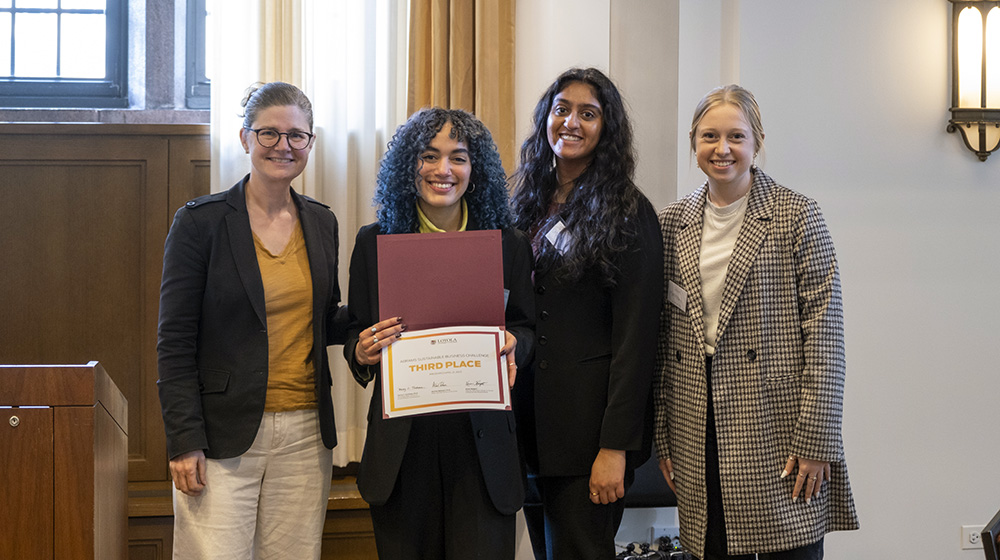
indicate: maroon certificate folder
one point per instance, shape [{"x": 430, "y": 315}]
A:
[{"x": 441, "y": 279}]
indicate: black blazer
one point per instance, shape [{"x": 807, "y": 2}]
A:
[
  {"x": 493, "y": 431},
  {"x": 212, "y": 336},
  {"x": 589, "y": 384}
]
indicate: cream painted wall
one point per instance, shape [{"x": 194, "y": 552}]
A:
[
  {"x": 855, "y": 99},
  {"x": 644, "y": 46},
  {"x": 551, "y": 36},
  {"x": 622, "y": 38}
]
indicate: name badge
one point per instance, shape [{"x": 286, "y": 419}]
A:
[
  {"x": 560, "y": 242},
  {"x": 677, "y": 296}
]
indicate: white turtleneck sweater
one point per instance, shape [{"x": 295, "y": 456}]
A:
[{"x": 718, "y": 238}]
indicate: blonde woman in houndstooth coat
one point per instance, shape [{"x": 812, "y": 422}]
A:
[{"x": 750, "y": 362}]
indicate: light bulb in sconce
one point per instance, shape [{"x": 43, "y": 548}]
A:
[
  {"x": 970, "y": 57},
  {"x": 975, "y": 108}
]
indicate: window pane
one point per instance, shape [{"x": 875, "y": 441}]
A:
[
  {"x": 81, "y": 4},
  {"x": 65, "y": 59},
  {"x": 82, "y": 46},
  {"x": 4, "y": 44},
  {"x": 35, "y": 36},
  {"x": 37, "y": 3}
]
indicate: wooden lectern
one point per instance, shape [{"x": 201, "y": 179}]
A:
[{"x": 64, "y": 463}]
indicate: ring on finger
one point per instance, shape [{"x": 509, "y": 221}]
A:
[
  {"x": 812, "y": 478},
  {"x": 374, "y": 340},
  {"x": 374, "y": 330}
]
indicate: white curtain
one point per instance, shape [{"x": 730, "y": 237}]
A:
[{"x": 349, "y": 57}]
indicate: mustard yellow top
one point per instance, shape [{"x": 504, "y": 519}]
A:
[
  {"x": 425, "y": 226},
  {"x": 288, "y": 300}
]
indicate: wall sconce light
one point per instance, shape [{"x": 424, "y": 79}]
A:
[{"x": 975, "y": 70}]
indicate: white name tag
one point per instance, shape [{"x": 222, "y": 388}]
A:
[
  {"x": 560, "y": 242},
  {"x": 677, "y": 296}
]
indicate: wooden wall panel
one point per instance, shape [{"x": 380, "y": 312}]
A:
[
  {"x": 348, "y": 535},
  {"x": 150, "y": 538},
  {"x": 190, "y": 171},
  {"x": 86, "y": 210}
]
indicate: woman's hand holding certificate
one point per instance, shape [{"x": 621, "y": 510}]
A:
[{"x": 371, "y": 341}]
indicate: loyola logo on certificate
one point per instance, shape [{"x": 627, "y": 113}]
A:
[{"x": 444, "y": 340}]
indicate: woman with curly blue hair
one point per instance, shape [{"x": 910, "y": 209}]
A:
[
  {"x": 446, "y": 485},
  {"x": 583, "y": 404}
]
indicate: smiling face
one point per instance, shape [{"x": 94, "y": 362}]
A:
[
  {"x": 279, "y": 163},
  {"x": 574, "y": 123},
  {"x": 725, "y": 148},
  {"x": 443, "y": 171}
]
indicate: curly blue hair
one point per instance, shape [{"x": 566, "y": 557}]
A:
[{"x": 396, "y": 189}]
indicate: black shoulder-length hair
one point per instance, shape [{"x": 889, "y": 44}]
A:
[
  {"x": 396, "y": 189},
  {"x": 600, "y": 212}
]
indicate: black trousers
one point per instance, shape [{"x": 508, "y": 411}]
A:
[
  {"x": 715, "y": 537},
  {"x": 440, "y": 508},
  {"x": 564, "y": 524}
]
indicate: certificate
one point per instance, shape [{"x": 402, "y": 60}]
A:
[{"x": 444, "y": 370}]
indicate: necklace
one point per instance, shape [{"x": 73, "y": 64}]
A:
[
  {"x": 560, "y": 183},
  {"x": 562, "y": 192}
]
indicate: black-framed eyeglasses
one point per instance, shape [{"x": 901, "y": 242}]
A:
[{"x": 269, "y": 138}]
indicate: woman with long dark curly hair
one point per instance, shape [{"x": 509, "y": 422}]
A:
[
  {"x": 446, "y": 485},
  {"x": 583, "y": 405}
]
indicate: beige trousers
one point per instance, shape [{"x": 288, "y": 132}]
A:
[{"x": 268, "y": 503}]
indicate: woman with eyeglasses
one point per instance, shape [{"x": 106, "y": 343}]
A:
[{"x": 248, "y": 304}]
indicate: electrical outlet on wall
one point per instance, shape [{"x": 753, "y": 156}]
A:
[
  {"x": 657, "y": 531},
  {"x": 971, "y": 537}
]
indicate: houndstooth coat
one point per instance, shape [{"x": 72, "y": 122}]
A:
[{"x": 777, "y": 372}]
